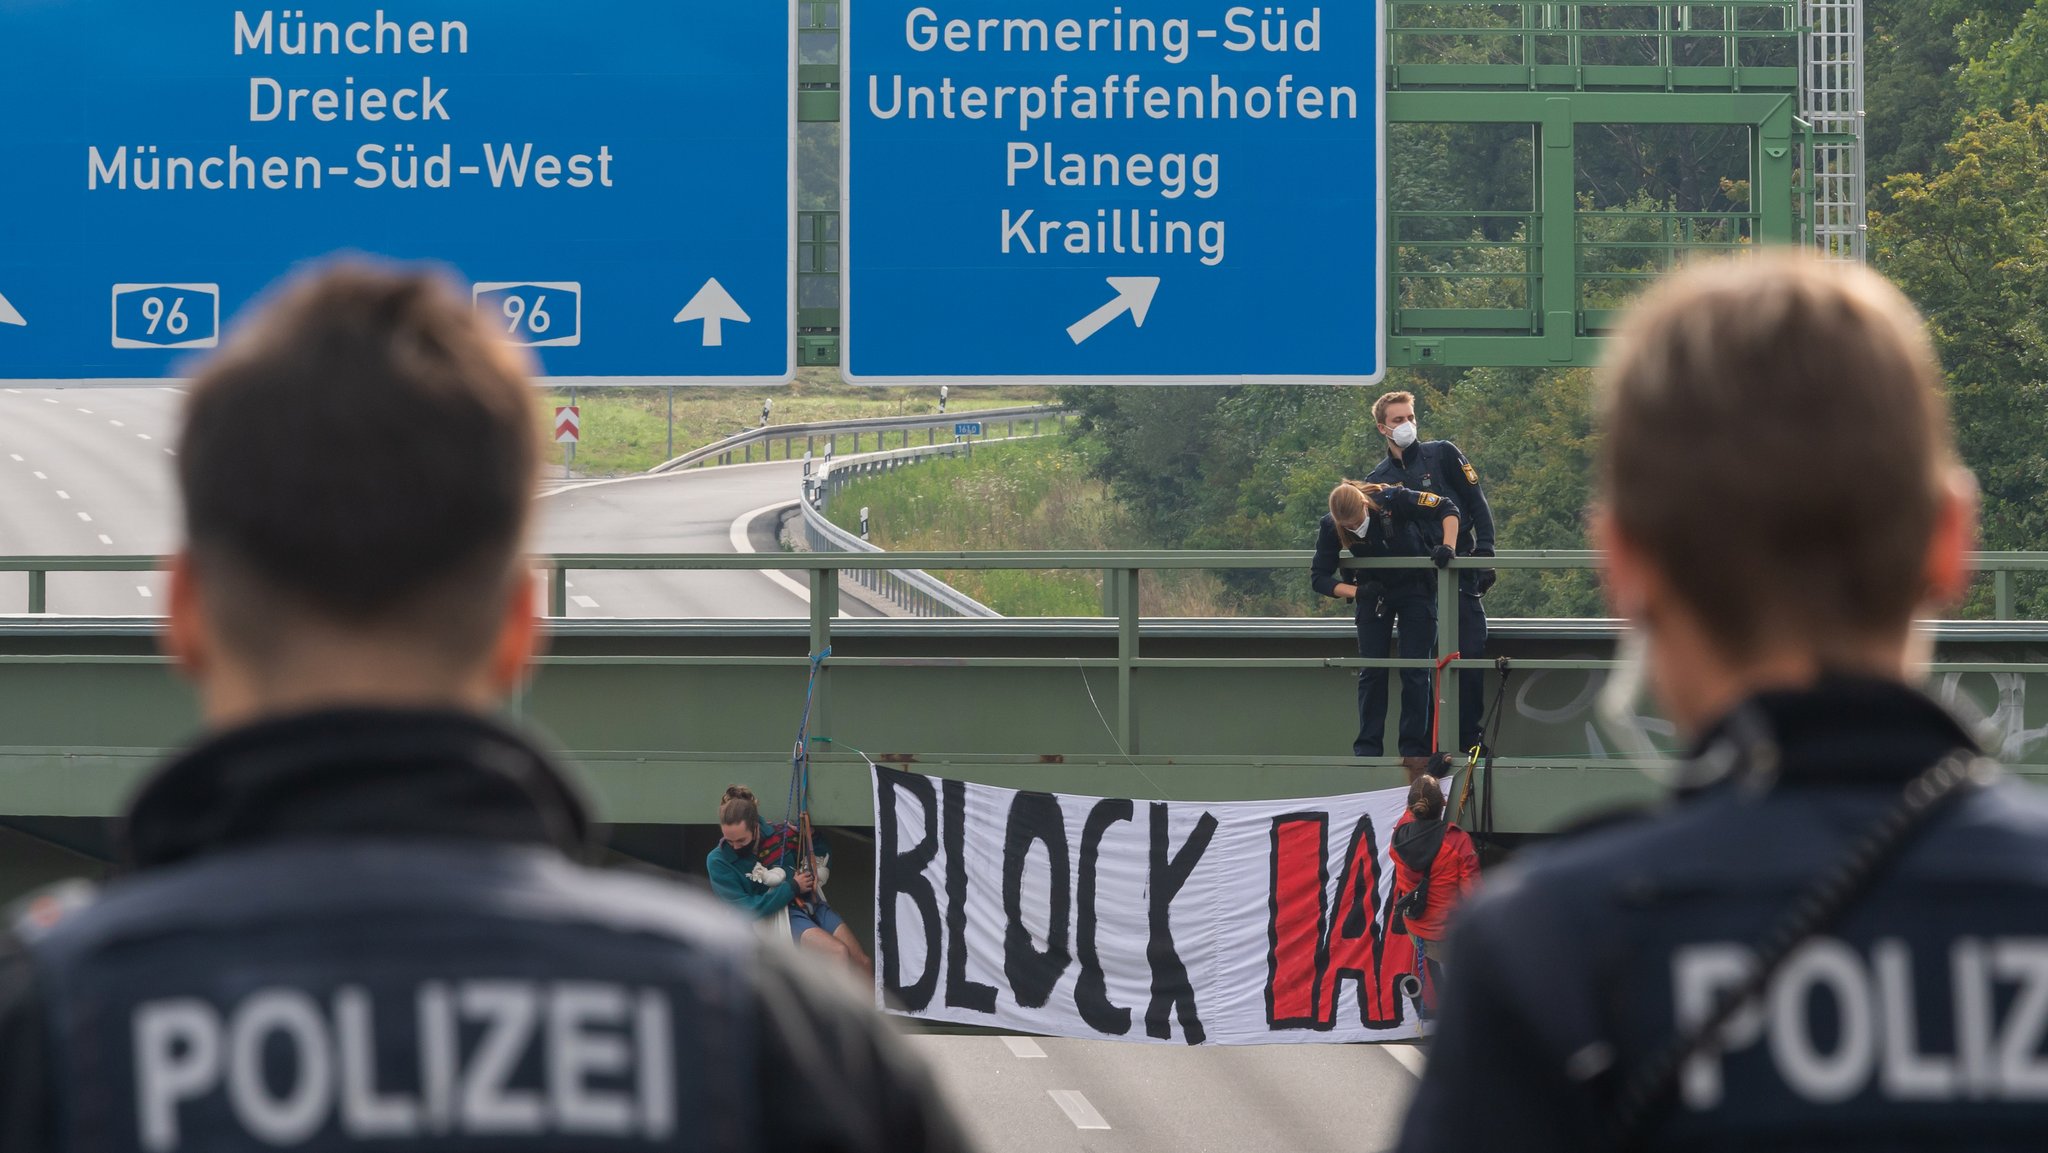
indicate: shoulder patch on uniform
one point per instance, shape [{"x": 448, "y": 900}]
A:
[
  {"x": 43, "y": 910},
  {"x": 1428, "y": 499},
  {"x": 1471, "y": 476}
]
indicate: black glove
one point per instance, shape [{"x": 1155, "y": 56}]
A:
[
  {"x": 1485, "y": 576},
  {"x": 1441, "y": 556}
]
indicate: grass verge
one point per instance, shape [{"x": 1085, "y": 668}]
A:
[{"x": 625, "y": 430}]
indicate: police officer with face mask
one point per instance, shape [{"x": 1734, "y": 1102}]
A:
[
  {"x": 352, "y": 916},
  {"x": 1436, "y": 466},
  {"x": 1834, "y": 935}
]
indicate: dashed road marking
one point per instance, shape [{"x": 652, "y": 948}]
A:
[
  {"x": 170, "y": 452},
  {"x": 144, "y": 436},
  {"x": 16, "y": 456},
  {"x": 117, "y": 424},
  {"x": 584, "y": 601},
  {"x": 1409, "y": 1056},
  {"x": 15, "y": 391},
  {"x": 86, "y": 517},
  {"x": 1023, "y": 1047},
  {"x": 40, "y": 476},
  {"x": 62, "y": 495},
  {"x": 49, "y": 400},
  {"x": 86, "y": 411},
  {"x": 144, "y": 590},
  {"x": 1077, "y": 1109},
  {"x": 105, "y": 539}
]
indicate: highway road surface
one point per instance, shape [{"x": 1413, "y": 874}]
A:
[
  {"x": 90, "y": 472},
  {"x": 1043, "y": 1094}
]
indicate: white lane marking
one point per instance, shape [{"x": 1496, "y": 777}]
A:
[
  {"x": 568, "y": 584},
  {"x": 170, "y": 452},
  {"x": 1409, "y": 1056},
  {"x": 86, "y": 517},
  {"x": 49, "y": 400},
  {"x": 62, "y": 495},
  {"x": 168, "y": 388},
  {"x": 15, "y": 391},
  {"x": 15, "y": 455},
  {"x": 144, "y": 590},
  {"x": 86, "y": 411},
  {"x": 117, "y": 424},
  {"x": 1023, "y": 1047},
  {"x": 40, "y": 476},
  {"x": 145, "y": 436},
  {"x": 1077, "y": 1109},
  {"x": 105, "y": 539},
  {"x": 641, "y": 477},
  {"x": 738, "y": 536},
  {"x": 584, "y": 601}
]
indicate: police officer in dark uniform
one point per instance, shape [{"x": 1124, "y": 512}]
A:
[
  {"x": 1374, "y": 520},
  {"x": 1835, "y": 935},
  {"x": 352, "y": 917},
  {"x": 1436, "y": 466}
]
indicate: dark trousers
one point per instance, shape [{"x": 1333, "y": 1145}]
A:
[
  {"x": 1415, "y": 611},
  {"x": 1471, "y": 682}
]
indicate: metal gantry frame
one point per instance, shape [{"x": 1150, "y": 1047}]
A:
[
  {"x": 1831, "y": 101},
  {"x": 1788, "y": 70}
]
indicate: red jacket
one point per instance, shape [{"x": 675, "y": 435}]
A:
[{"x": 1453, "y": 873}]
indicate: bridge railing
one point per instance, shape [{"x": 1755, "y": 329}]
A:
[
  {"x": 914, "y": 590},
  {"x": 1120, "y": 571},
  {"x": 739, "y": 447}
]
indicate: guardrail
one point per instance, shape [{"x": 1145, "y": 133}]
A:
[
  {"x": 915, "y": 590},
  {"x": 1120, "y": 571},
  {"x": 742, "y": 443}
]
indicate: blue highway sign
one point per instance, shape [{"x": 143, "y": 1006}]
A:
[
  {"x": 967, "y": 428},
  {"x": 1158, "y": 190},
  {"x": 614, "y": 180}
]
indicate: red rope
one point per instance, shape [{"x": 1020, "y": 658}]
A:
[{"x": 1436, "y": 719}]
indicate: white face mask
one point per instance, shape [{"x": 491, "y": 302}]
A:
[{"x": 1403, "y": 435}]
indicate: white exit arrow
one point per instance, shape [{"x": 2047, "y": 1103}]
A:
[
  {"x": 1133, "y": 295},
  {"x": 8, "y": 315},
  {"x": 714, "y": 306}
]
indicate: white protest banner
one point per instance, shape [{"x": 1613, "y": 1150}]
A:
[{"x": 1182, "y": 922}]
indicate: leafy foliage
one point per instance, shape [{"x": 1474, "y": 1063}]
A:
[{"x": 1970, "y": 245}]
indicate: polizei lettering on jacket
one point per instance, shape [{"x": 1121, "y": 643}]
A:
[
  {"x": 1979, "y": 1038},
  {"x": 491, "y": 1058}
]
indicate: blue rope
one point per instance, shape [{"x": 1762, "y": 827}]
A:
[{"x": 799, "y": 798}]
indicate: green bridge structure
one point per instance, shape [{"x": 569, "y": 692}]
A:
[{"x": 659, "y": 716}]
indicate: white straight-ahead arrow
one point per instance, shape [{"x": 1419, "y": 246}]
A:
[
  {"x": 1133, "y": 295},
  {"x": 713, "y": 305},
  {"x": 8, "y": 315}
]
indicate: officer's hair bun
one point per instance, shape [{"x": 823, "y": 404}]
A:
[{"x": 739, "y": 793}]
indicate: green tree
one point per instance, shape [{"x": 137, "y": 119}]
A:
[
  {"x": 1970, "y": 246},
  {"x": 2004, "y": 52}
]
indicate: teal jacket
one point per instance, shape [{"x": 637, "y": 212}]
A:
[{"x": 731, "y": 872}]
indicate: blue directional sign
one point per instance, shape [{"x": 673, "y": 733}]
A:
[
  {"x": 967, "y": 428},
  {"x": 1148, "y": 191},
  {"x": 613, "y": 180}
]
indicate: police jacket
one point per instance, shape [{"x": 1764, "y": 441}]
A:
[
  {"x": 364, "y": 930},
  {"x": 1410, "y": 526},
  {"x": 1436, "y": 466},
  {"x": 1919, "y": 1021}
]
